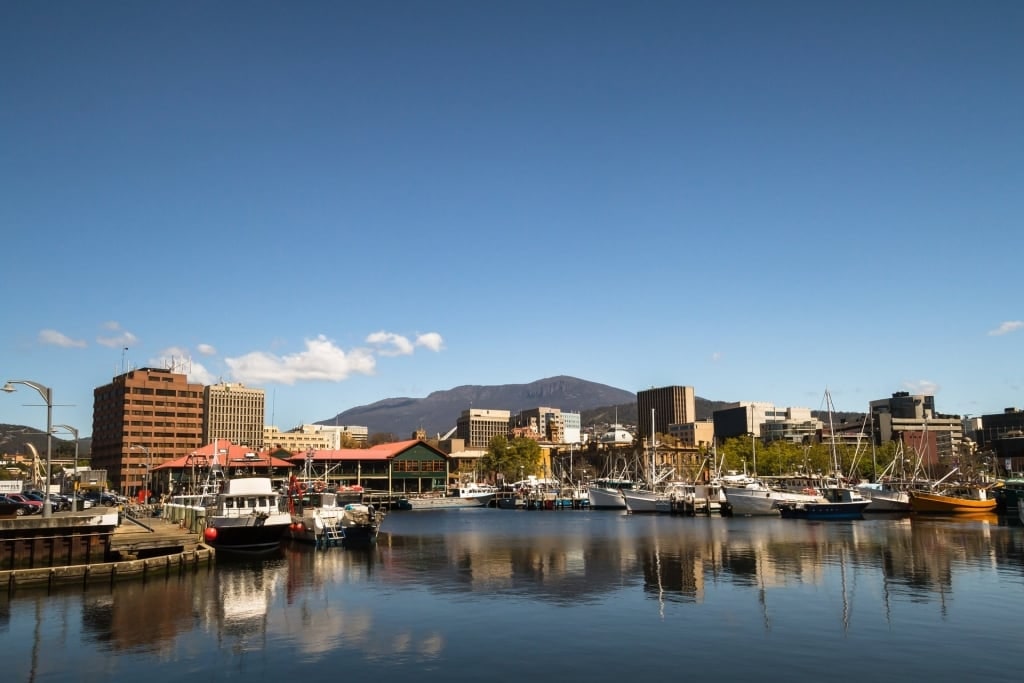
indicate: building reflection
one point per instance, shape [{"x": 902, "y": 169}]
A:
[{"x": 315, "y": 602}]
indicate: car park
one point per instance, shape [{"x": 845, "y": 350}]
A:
[
  {"x": 9, "y": 506},
  {"x": 55, "y": 506},
  {"x": 37, "y": 505}
]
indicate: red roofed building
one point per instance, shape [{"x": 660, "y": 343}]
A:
[
  {"x": 412, "y": 466},
  {"x": 189, "y": 472}
]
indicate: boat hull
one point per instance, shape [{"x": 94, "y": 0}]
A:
[
  {"x": 447, "y": 502},
  {"x": 936, "y": 503},
  {"x": 851, "y": 510},
  {"x": 605, "y": 498},
  {"x": 637, "y": 500},
  {"x": 885, "y": 500},
  {"x": 230, "y": 536},
  {"x": 762, "y": 502}
]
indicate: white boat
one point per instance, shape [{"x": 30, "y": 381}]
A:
[
  {"x": 839, "y": 502},
  {"x": 640, "y": 500},
  {"x": 645, "y": 499},
  {"x": 324, "y": 517},
  {"x": 247, "y": 516},
  {"x": 606, "y": 493},
  {"x": 485, "y": 493},
  {"x": 757, "y": 498},
  {"x": 884, "y": 497}
]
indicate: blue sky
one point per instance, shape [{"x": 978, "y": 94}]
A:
[{"x": 343, "y": 202}]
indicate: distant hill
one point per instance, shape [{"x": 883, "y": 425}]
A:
[
  {"x": 13, "y": 439},
  {"x": 598, "y": 404},
  {"x": 437, "y": 413}
]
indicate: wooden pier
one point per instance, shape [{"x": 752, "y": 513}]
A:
[{"x": 79, "y": 549}]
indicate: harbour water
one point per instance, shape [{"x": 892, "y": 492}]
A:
[{"x": 475, "y": 594}]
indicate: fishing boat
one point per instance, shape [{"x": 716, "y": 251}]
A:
[
  {"x": 959, "y": 499},
  {"x": 605, "y": 493},
  {"x": 324, "y": 517},
  {"x": 646, "y": 499},
  {"x": 758, "y": 498},
  {"x": 838, "y": 502},
  {"x": 247, "y": 516},
  {"x": 953, "y": 498},
  {"x": 885, "y": 496},
  {"x": 468, "y": 496}
]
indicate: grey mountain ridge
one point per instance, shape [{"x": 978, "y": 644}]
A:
[{"x": 437, "y": 413}]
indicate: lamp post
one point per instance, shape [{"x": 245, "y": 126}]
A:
[
  {"x": 149, "y": 466},
  {"x": 47, "y": 394},
  {"x": 74, "y": 488}
]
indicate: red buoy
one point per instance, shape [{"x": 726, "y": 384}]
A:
[{"x": 210, "y": 534}]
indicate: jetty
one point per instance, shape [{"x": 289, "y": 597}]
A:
[{"x": 85, "y": 548}]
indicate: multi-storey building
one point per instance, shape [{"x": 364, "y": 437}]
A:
[
  {"x": 912, "y": 420},
  {"x": 477, "y": 426},
  {"x": 671, "y": 405},
  {"x": 1003, "y": 434},
  {"x": 751, "y": 417},
  {"x": 299, "y": 440},
  {"x": 572, "y": 427},
  {"x": 234, "y": 412},
  {"x": 316, "y": 436},
  {"x": 546, "y": 421},
  {"x": 139, "y": 420},
  {"x": 700, "y": 434}
]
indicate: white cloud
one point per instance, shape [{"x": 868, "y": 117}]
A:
[
  {"x": 1006, "y": 328},
  {"x": 321, "y": 360},
  {"x": 206, "y": 350},
  {"x": 179, "y": 360},
  {"x": 431, "y": 341},
  {"x": 55, "y": 338},
  {"x": 399, "y": 345},
  {"x": 716, "y": 356},
  {"x": 123, "y": 338},
  {"x": 922, "y": 386}
]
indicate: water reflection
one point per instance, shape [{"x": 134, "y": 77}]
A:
[
  {"x": 399, "y": 602},
  {"x": 676, "y": 557}
]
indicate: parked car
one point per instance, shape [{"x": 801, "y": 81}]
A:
[
  {"x": 36, "y": 495},
  {"x": 9, "y": 506},
  {"x": 37, "y": 505},
  {"x": 83, "y": 502}
]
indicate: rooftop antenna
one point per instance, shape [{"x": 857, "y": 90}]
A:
[{"x": 124, "y": 367}]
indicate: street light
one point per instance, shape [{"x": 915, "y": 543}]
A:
[
  {"x": 47, "y": 394},
  {"x": 149, "y": 465},
  {"x": 74, "y": 488}
]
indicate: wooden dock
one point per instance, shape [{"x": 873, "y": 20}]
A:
[
  {"x": 144, "y": 537},
  {"x": 134, "y": 549}
]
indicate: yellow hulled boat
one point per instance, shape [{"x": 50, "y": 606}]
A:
[{"x": 959, "y": 500}]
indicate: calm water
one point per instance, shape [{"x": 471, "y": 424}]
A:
[{"x": 466, "y": 595}]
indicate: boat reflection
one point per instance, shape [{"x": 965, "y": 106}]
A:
[{"x": 316, "y": 602}]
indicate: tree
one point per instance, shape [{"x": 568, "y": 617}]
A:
[{"x": 505, "y": 459}]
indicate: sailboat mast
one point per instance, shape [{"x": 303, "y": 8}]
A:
[
  {"x": 832, "y": 434},
  {"x": 651, "y": 475},
  {"x": 753, "y": 440}
]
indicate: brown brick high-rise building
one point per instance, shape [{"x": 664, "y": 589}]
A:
[{"x": 141, "y": 419}]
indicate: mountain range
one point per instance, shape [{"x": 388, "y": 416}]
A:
[{"x": 436, "y": 414}]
